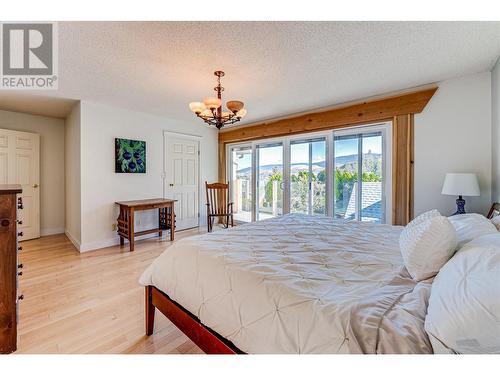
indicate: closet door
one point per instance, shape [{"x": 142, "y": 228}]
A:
[
  {"x": 20, "y": 164},
  {"x": 181, "y": 178}
]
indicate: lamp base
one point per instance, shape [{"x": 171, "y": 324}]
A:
[{"x": 460, "y": 206}]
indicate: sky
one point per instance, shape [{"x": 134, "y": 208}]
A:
[{"x": 299, "y": 153}]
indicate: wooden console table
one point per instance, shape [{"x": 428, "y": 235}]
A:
[{"x": 166, "y": 220}]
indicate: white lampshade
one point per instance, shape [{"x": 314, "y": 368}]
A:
[
  {"x": 461, "y": 184},
  {"x": 234, "y": 105},
  {"x": 206, "y": 113},
  {"x": 212, "y": 103},
  {"x": 197, "y": 107},
  {"x": 241, "y": 113}
]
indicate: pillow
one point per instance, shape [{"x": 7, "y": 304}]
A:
[
  {"x": 427, "y": 246},
  {"x": 471, "y": 226},
  {"x": 422, "y": 217},
  {"x": 464, "y": 306},
  {"x": 496, "y": 222}
]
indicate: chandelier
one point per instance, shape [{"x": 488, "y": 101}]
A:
[{"x": 210, "y": 110}]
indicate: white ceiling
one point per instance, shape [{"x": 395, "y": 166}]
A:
[
  {"x": 276, "y": 68},
  {"x": 35, "y": 104}
]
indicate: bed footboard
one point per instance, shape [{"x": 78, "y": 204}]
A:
[{"x": 206, "y": 339}]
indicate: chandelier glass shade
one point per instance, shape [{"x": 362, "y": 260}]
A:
[{"x": 212, "y": 112}]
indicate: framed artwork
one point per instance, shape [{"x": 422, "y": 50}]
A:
[{"x": 130, "y": 156}]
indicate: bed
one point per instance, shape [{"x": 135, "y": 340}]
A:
[{"x": 293, "y": 284}]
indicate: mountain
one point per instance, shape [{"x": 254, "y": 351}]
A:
[{"x": 347, "y": 162}]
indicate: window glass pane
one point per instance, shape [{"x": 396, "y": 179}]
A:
[
  {"x": 346, "y": 177},
  {"x": 318, "y": 186},
  {"x": 308, "y": 176},
  {"x": 270, "y": 181},
  {"x": 299, "y": 178},
  {"x": 371, "y": 194},
  {"x": 241, "y": 185}
]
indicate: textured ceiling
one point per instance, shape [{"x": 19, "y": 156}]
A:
[
  {"x": 35, "y": 104},
  {"x": 276, "y": 68}
]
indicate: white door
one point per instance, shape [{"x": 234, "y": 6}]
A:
[
  {"x": 20, "y": 164},
  {"x": 181, "y": 178}
]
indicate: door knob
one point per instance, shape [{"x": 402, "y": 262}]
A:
[
  {"x": 35, "y": 185},
  {"x": 171, "y": 184}
]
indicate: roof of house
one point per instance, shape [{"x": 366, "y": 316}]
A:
[{"x": 371, "y": 205}]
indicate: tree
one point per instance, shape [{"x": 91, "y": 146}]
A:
[
  {"x": 322, "y": 176},
  {"x": 302, "y": 176},
  {"x": 371, "y": 177},
  {"x": 299, "y": 192},
  {"x": 344, "y": 183}
]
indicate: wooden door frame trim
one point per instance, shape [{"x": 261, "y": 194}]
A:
[
  {"x": 398, "y": 109},
  {"x": 402, "y": 169}
]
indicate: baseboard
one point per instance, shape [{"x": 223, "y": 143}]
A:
[
  {"x": 51, "y": 231},
  {"x": 73, "y": 240},
  {"x": 96, "y": 245},
  {"x": 101, "y": 244}
]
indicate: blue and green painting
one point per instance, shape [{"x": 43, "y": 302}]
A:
[{"x": 130, "y": 156}]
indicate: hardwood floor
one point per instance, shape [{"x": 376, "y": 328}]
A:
[{"x": 91, "y": 302}]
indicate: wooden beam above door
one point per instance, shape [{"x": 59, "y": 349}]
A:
[{"x": 354, "y": 114}]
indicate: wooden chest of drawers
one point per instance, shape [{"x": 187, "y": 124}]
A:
[{"x": 9, "y": 267}]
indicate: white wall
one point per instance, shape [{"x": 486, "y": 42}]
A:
[
  {"x": 453, "y": 134},
  {"x": 101, "y": 186},
  {"x": 495, "y": 132},
  {"x": 51, "y": 132},
  {"x": 72, "y": 176}
]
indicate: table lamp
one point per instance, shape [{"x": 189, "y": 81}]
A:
[{"x": 461, "y": 184}]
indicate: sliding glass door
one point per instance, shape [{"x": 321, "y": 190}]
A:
[
  {"x": 269, "y": 180},
  {"x": 345, "y": 174},
  {"x": 359, "y": 175},
  {"x": 308, "y": 176},
  {"x": 372, "y": 178},
  {"x": 346, "y": 166},
  {"x": 240, "y": 181}
]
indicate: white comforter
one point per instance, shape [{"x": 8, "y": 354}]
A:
[{"x": 284, "y": 285}]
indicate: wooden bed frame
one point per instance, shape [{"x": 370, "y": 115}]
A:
[{"x": 205, "y": 338}]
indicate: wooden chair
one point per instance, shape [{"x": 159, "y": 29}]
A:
[
  {"x": 494, "y": 211},
  {"x": 218, "y": 204}
]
